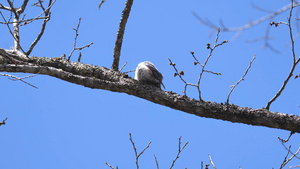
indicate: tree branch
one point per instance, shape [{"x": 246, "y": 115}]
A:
[
  {"x": 232, "y": 87},
  {"x": 47, "y": 18},
  {"x": 295, "y": 62},
  {"x": 119, "y": 40},
  {"x": 249, "y": 24},
  {"x": 3, "y": 122},
  {"x": 103, "y": 78}
]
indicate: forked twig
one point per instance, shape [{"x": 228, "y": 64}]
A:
[
  {"x": 180, "y": 74},
  {"x": 16, "y": 40},
  {"x": 21, "y": 79},
  {"x": 208, "y": 57},
  {"x": 179, "y": 151},
  {"x": 135, "y": 151},
  {"x": 249, "y": 24},
  {"x": 285, "y": 161},
  {"x": 295, "y": 62},
  {"x": 75, "y": 42},
  {"x": 232, "y": 87},
  {"x": 47, "y": 18},
  {"x": 286, "y": 140}
]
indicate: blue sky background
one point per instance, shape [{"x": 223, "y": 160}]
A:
[{"x": 63, "y": 125}]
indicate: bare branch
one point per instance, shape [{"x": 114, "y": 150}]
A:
[
  {"x": 180, "y": 74},
  {"x": 110, "y": 166},
  {"x": 99, "y": 6},
  {"x": 47, "y": 10},
  {"x": 285, "y": 161},
  {"x": 119, "y": 40},
  {"x": 123, "y": 67},
  {"x": 3, "y": 122},
  {"x": 12, "y": 8},
  {"x": 24, "y": 21},
  {"x": 232, "y": 87},
  {"x": 286, "y": 140},
  {"x": 16, "y": 38},
  {"x": 22, "y": 9},
  {"x": 206, "y": 61},
  {"x": 211, "y": 161},
  {"x": 47, "y": 15},
  {"x": 103, "y": 78},
  {"x": 4, "y": 7},
  {"x": 260, "y": 8},
  {"x": 249, "y": 24},
  {"x": 156, "y": 162},
  {"x": 179, "y": 151},
  {"x": 75, "y": 40},
  {"x": 135, "y": 151},
  {"x": 295, "y": 62},
  {"x": 21, "y": 79}
]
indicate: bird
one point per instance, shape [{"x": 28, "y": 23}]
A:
[{"x": 147, "y": 73}]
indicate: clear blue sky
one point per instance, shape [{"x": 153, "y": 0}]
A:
[{"x": 67, "y": 126}]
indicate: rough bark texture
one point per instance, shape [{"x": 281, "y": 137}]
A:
[{"x": 103, "y": 78}]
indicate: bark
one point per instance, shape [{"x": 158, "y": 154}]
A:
[{"x": 104, "y": 78}]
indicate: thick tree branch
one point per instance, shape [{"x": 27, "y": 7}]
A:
[
  {"x": 119, "y": 40},
  {"x": 103, "y": 78}
]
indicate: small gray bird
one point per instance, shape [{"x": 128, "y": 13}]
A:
[{"x": 147, "y": 73}]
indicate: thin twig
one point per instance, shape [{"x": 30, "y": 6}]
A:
[
  {"x": 110, "y": 166},
  {"x": 157, "y": 166},
  {"x": 21, "y": 79},
  {"x": 232, "y": 87},
  {"x": 47, "y": 14},
  {"x": 211, "y": 161},
  {"x": 287, "y": 161},
  {"x": 286, "y": 140},
  {"x": 294, "y": 59},
  {"x": 99, "y": 6},
  {"x": 79, "y": 57},
  {"x": 249, "y": 24},
  {"x": 15, "y": 38},
  {"x": 208, "y": 57},
  {"x": 297, "y": 166},
  {"x": 179, "y": 151},
  {"x": 3, "y": 122},
  {"x": 289, "y": 150},
  {"x": 129, "y": 71},
  {"x": 76, "y": 35},
  {"x": 123, "y": 67},
  {"x": 119, "y": 40},
  {"x": 12, "y": 8},
  {"x": 47, "y": 10},
  {"x": 24, "y": 21},
  {"x": 180, "y": 74},
  {"x": 135, "y": 151},
  {"x": 75, "y": 40}
]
